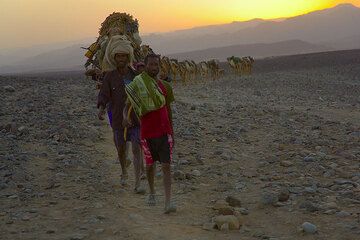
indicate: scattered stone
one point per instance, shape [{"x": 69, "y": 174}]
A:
[
  {"x": 9, "y": 88},
  {"x": 286, "y": 163},
  {"x": 309, "y": 159},
  {"x": 309, "y": 228},
  {"x": 25, "y": 218},
  {"x": 136, "y": 217},
  {"x": 344, "y": 182},
  {"x": 355, "y": 134},
  {"x": 284, "y": 195},
  {"x": 78, "y": 237},
  {"x": 184, "y": 162},
  {"x": 196, "y": 173},
  {"x": 100, "y": 230},
  {"x": 330, "y": 205},
  {"x": 13, "y": 196},
  {"x": 243, "y": 211},
  {"x": 233, "y": 201},
  {"x": 209, "y": 226},
  {"x": 257, "y": 93},
  {"x": 179, "y": 175},
  {"x": 343, "y": 214},
  {"x": 23, "y": 130},
  {"x": 220, "y": 204},
  {"x": 231, "y": 220},
  {"x": 310, "y": 190},
  {"x": 226, "y": 156},
  {"x": 269, "y": 198},
  {"x": 330, "y": 212},
  {"x": 100, "y": 217},
  {"x": 244, "y": 230},
  {"x": 309, "y": 206}
]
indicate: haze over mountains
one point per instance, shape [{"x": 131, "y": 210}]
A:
[
  {"x": 326, "y": 26},
  {"x": 330, "y": 29}
]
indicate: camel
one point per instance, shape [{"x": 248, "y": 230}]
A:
[
  {"x": 190, "y": 69},
  {"x": 182, "y": 69},
  {"x": 174, "y": 68},
  {"x": 214, "y": 68},
  {"x": 250, "y": 63},
  {"x": 203, "y": 69},
  {"x": 241, "y": 66},
  {"x": 235, "y": 64},
  {"x": 165, "y": 67}
]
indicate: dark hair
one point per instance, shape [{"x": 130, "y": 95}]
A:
[{"x": 151, "y": 55}]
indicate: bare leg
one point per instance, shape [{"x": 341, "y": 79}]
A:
[
  {"x": 137, "y": 163},
  {"x": 142, "y": 165},
  {"x": 169, "y": 206},
  {"x": 127, "y": 154},
  {"x": 122, "y": 158},
  {"x": 167, "y": 181},
  {"x": 121, "y": 151},
  {"x": 150, "y": 172}
]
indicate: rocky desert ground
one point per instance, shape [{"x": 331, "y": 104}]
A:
[{"x": 275, "y": 155}]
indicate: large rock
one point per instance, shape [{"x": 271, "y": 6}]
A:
[
  {"x": 309, "y": 228},
  {"x": 231, "y": 220},
  {"x": 226, "y": 211}
]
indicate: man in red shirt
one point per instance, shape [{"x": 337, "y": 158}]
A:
[{"x": 156, "y": 133}]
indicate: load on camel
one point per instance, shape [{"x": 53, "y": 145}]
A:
[
  {"x": 116, "y": 25},
  {"x": 241, "y": 66}
]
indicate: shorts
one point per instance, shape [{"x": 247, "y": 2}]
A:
[
  {"x": 157, "y": 149},
  {"x": 132, "y": 135}
]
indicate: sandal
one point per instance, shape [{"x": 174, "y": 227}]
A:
[
  {"x": 123, "y": 180},
  {"x": 151, "y": 201},
  {"x": 169, "y": 208},
  {"x": 140, "y": 190}
]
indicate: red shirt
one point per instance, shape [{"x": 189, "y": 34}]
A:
[{"x": 157, "y": 123}]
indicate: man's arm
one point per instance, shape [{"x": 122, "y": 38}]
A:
[
  {"x": 169, "y": 99},
  {"x": 126, "y": 118},
  {"x": 104, "y": 97}
]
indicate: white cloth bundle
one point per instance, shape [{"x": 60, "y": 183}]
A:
[{"x": 117, "y": 44}]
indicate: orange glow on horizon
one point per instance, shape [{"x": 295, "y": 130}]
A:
[{"x": 44, "y": 21}]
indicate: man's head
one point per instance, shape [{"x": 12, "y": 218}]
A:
[
  {"x": 119, "y": 52},
  {"x": 140, "y": 67},
  {"x": 122, "y": 60},
  {"x": 152, "y": 64}
]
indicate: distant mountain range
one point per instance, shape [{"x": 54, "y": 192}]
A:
[
  {"x": 319, "y": 27},
  {"x": 258, "y": 50},
  {"x": 330, "y": 29}
]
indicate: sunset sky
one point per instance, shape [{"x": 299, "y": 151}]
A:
[{"x": 31, "y": 22}]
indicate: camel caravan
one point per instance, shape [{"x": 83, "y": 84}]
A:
[
  {"x": 241, "y": 66},
  {"x": 123, "y": 25}
]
